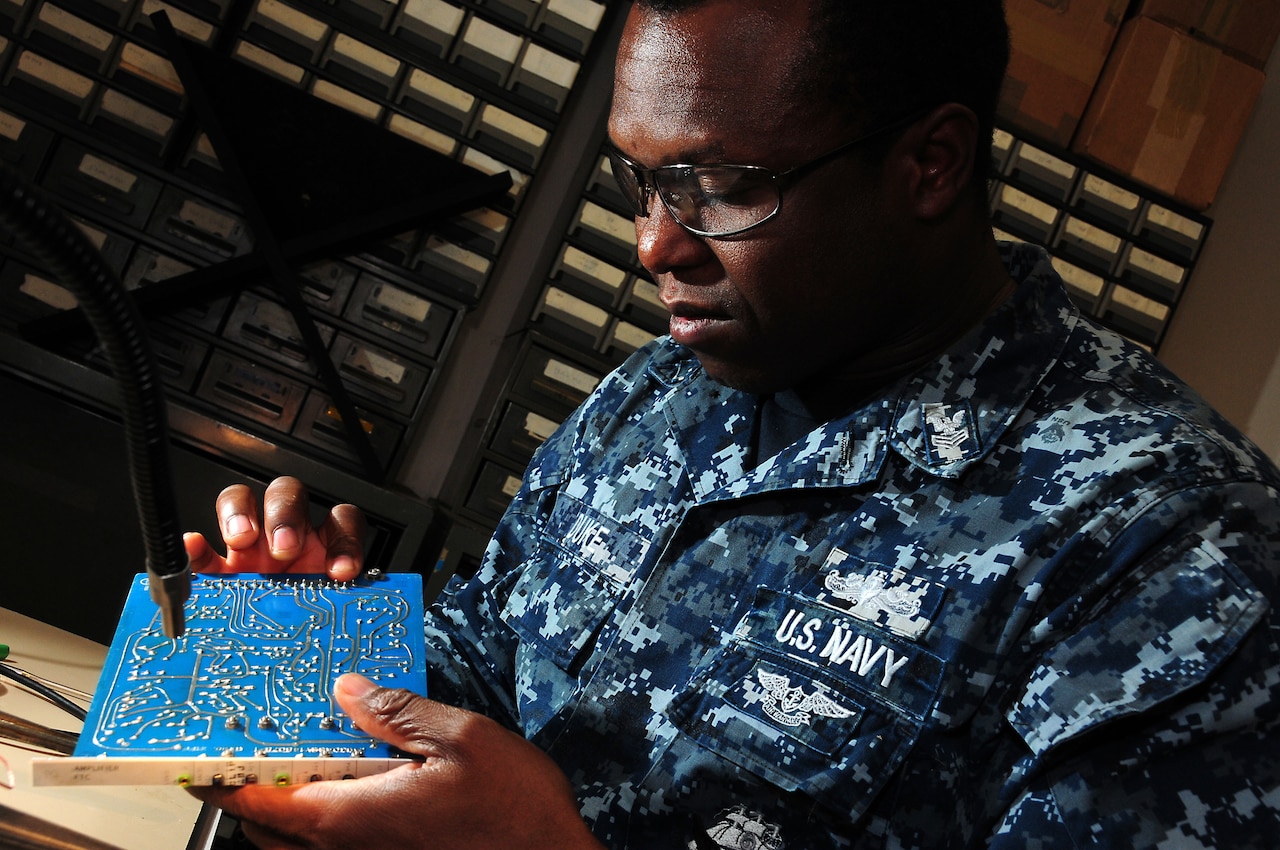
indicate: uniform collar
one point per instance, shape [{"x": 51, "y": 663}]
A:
[
  {"x": 952, "y": 413},
  {"x": 942, "y": 419}
]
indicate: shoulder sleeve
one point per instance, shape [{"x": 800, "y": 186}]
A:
[{"x": 1153, "y": 723}]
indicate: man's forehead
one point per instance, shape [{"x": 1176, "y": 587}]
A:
[
  {"x": 714, "y": 36},
  {"x": 719, "y": 24},
  {"x": 707, "y": 65}
]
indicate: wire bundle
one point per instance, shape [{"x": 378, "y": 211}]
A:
[{"x": 22, "y": 731}]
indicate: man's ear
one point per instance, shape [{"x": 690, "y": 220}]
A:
[{"x": 937, "y": 156}]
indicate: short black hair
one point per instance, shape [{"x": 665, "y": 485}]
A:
[{"x": 879, "y": 61}]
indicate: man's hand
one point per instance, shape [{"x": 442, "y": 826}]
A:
[
  {"x": 282, "y": 540},
  {"x": 479, "y": 786}
]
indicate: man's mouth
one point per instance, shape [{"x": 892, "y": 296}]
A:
[{"x": 695, "y": 325}]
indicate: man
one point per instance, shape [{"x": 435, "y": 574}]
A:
[{"x": 884, "y": 546}]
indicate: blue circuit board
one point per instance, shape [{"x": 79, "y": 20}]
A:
[{"x": 253, "y": 675}]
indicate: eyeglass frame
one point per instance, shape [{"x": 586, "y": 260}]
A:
[{"x": 779, "y": 180}]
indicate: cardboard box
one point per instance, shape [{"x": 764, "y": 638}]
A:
[
  {"x": 1247, "y": 29},
  {"x": 1059, "y": 48},
  {"x": 1169, "y": 111}
]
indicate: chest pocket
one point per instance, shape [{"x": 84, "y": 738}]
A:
[
  {"x": 811, "y": 700},
  {"x": 561, "y": 599}
]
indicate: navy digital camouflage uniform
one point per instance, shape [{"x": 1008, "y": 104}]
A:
[{"x": 1018, "y": 600}]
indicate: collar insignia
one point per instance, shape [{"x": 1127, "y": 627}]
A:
[{"x": 950, "y": 431}]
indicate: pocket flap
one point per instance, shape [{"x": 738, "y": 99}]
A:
[{"x": 561, "y": 599}]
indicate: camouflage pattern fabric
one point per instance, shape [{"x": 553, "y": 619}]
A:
[{"x": 1022, "y": 599}]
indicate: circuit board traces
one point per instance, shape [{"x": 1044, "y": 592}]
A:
[{"x": 253, "y": 675}]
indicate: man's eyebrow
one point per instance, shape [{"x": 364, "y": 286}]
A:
[{"x": 709, "y": 154}]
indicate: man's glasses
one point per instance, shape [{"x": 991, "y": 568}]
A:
[{"x": 720, "y": 200}]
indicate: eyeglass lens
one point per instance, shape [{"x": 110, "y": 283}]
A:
[
  {"x": 629, "y": 184},
  {"x": 708, "y": 199}
]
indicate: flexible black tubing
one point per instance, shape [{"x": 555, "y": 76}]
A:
[{"x": 76, "y": 263}]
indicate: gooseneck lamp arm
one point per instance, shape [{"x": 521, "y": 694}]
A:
[{"x": 116, "y": 322}]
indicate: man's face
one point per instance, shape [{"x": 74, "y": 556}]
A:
[{"x": 803, "y": 292}]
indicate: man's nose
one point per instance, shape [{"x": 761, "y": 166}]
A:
[{"x": 663, "y": 244}]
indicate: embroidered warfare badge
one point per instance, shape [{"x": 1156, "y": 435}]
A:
[
  {"x": 876, "y": 594},
  {"x": 793, "y": 706},
  {"x": 740, "y": 829}
]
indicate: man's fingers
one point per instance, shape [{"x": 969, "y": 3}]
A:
[
  {"x": 263, "y": 820},
  {"x": 265, "y": 839},
  {"x": 284, "y": 518},
  {"x": 334, "y": 814},
  {"x": 278, "y": 536},
  {"x": 238, "y": 516},
  {"x": 201, "y": 555},
  {"x": 343, "y": 536}
]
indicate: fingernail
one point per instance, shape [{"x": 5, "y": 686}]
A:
[
  {"x": 238, "y": 524},
  {"x": 355, "y": 685},
  {"x": 283, "y": 539},
  {"x": 344, "y": 568}
]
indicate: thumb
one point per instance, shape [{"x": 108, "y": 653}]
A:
[{"x": 395, "y": 715}]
